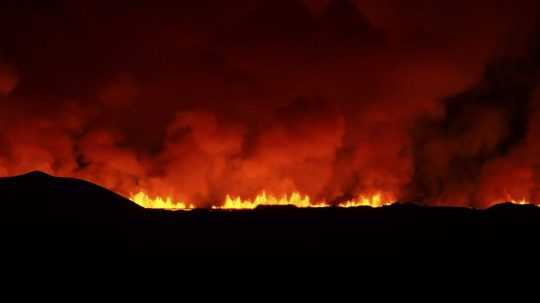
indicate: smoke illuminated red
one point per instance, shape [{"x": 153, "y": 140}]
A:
[{"x": 243, "y": 103}]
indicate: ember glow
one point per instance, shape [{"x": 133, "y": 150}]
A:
[{"x": 264, "y": 199}]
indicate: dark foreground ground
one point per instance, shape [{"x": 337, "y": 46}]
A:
[{"x": 47, "y": 215}]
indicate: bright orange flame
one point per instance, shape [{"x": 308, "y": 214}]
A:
[
  {"x": 295, "y": 199},
  {"x": 375, "y": 200},
  {"x": 264, "y": 199},
  {"x": 146, "y": 201},
  {"x": 522, "y": 201}
]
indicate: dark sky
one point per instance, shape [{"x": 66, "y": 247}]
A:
[{"x": 428, "y": 100}]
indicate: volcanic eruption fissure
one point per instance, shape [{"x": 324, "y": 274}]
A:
[{"x": 242, "y": 103}]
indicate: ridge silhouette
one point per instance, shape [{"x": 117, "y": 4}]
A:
[
  {"x": 37, "y": 196},
  {"x": 46, "y": 214}
]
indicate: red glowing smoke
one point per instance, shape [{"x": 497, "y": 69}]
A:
[{"x": 434, "y": 102}]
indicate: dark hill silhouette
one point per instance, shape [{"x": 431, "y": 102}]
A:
[
  {"x": 38, "y": 197},
  {"x": 63, "y": 216}
]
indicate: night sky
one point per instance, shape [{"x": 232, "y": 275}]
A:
[{"x": 432, "y": 101}]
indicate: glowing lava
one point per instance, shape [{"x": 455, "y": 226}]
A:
[
  {"x": 295, "y": 199},
  {"x": 522, "y": 201},
  {"x": 264, "y": 199},
  {"x": 146, "y": 201},
  {"x": 375, "y": 200}
]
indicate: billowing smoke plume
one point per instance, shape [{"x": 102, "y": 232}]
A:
[{"x": 432, "y": 101}]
